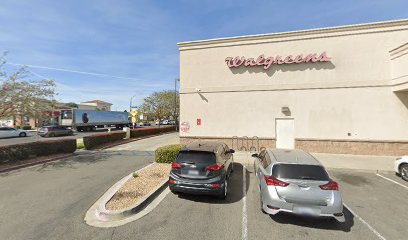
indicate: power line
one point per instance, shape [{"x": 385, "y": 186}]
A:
[{"x": 72, "y": 71}]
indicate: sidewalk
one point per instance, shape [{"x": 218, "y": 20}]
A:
[{"x": 333, "y": 161}]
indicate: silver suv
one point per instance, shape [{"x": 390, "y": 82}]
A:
[{"x": 294, "y": 181}]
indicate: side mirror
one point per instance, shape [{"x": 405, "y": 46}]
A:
[
  {"x": 255, "y": 155},
  {"x": 231, "y": 151}
]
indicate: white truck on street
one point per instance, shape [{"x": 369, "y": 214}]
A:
[{"x": 89, "y": 120}]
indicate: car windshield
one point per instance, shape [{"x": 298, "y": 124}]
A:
[{"x": 300, "y": 171}]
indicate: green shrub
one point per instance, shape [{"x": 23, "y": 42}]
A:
[
  {"x": 80, "y": 145},
  {"x": 23, "y": 151},
  {"x": 93, "y": 141},
  {"x": 167, "y": 154},
  {"x": 26, "y": 128}
]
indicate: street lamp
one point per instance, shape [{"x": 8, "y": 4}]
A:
[
  {"x": 130, "y": 102},
  {"x": 175, "y": 102}
]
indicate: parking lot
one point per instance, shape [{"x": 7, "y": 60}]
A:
[
  {"x": 374, "y": 207},
  {"x": 50, "y": 201}
]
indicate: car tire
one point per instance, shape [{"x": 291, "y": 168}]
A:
[
  {"x": 224, "y": 192},
  {"x": 70, "y": 133},
  {"x": 51, "y": 135},
  {"x": 404, "y": 171},
  {"x": 23, "y": 134}
]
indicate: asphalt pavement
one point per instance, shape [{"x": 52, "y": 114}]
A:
[{"x": 49, "y": 202}]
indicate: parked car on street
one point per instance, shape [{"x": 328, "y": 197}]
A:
[
  {"x": 202, "y": 167},
  {"x": 401, "y": 167},
  {"x": 165, "y": 122},
  {"x": 54, "y": 131},
  {"x": 144, "y": 124},
  {"x": 294, "y": 181},
  {"x": 6, "y": 132}
]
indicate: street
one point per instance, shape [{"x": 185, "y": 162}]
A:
[
  {"x": 32, "y": 136},
  {"x": 49, "y": 202}
]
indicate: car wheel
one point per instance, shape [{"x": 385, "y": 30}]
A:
[
  {"x": 23, "y": 134},
  {"x": 70, "y": 133},
  {"x": 404, "y": 171},
  {"x": 51, "y": 135}
]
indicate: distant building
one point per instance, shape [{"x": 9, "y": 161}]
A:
[{"x": 95, "y": 105}]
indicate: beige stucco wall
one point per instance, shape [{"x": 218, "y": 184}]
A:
[
  {"x": 351, "y": 94},
  {"x": 399, "y": 67}
]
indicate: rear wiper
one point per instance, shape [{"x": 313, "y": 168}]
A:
[{"x": 308, "y": 178}]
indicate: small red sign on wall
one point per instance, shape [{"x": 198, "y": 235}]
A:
[{"x": 198, "y": 121}]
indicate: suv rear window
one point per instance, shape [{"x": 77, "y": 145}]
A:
[
  {"x": 196, "y": 157},
  {"x": 299, "y": 171}
]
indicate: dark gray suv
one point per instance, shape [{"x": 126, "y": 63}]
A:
[
  {"x": 54, "y": 131},
  {"x": 202, "y": 167}
]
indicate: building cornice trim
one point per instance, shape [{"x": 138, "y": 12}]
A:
[{"x": 385, "y": 26}]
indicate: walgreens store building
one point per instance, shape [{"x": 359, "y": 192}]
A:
[{"x": 335, "y": 90}]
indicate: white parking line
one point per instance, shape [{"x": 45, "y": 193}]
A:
[
  {"x": 402, "y": 185},
  {"x": 244, "y": 206},
  {"x": 365, "y": 223}
]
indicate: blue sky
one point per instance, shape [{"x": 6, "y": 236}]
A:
[{"x": 138, "y": 39}]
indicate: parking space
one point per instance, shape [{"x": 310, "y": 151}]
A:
[
  {"x": 286, "y": 226},
  {"x": 379, "y": 202},
  {"x": 183, "y": 216}
]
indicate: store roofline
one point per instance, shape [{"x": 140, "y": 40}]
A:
[{"x": 315, "y": 31}]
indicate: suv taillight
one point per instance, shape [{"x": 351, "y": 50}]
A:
[
  {"x": 175, "y": 165},
  {"x": 331, "y": 185},
  {"x": 273, "y": 181},
  {"x": 215, "y": 167}
]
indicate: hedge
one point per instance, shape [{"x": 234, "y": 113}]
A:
[
  {"x": 167, "y": 154},
  {"x": 23, "y": 151},
  {"x": 140, "y": 132},
  {"x": 96, "y": 140},
  {"x": 92, "y": 141}
]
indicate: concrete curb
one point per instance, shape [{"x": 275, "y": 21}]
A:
[
  {"x": 99, "y": 216},
  {"x": 36, "y": 163}
]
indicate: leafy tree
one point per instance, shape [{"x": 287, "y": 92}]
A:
[
  {"x": 160, "y": 104},
  {"x": 71, "y": 105},
  {"x": 20, "y": 96}
]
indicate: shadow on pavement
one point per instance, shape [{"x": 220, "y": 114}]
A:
[
  {"x": 93, "y": 157},
  {"x": 235, "y": 189},
  {"x": 319, "y": 223}
]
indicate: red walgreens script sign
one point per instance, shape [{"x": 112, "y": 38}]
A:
[{"x": 234, "y": 62}]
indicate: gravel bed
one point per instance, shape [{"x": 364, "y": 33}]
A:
[{"x": 138, "y": 187}]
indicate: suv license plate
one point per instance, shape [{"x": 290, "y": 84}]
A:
[{"x": 193, "y": 172}]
